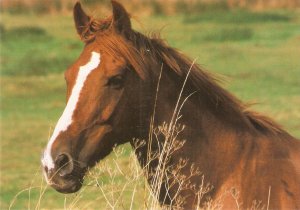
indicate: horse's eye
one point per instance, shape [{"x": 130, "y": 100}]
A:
[{"x": 116, "y": 82}]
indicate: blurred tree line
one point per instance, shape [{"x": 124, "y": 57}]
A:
[{"x": 144, "y": 6}]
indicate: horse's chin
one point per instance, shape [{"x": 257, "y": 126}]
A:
[
  {"x": 66, "y": 187},
  {"x": 65, "y": 184}
]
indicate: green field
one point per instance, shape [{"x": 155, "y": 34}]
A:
[{"x": 257, "y": 52}]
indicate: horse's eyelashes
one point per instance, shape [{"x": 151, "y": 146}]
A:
[{"x": 116, "y": 82}]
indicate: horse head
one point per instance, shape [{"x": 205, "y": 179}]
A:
[{"x": 104, "y": 86}]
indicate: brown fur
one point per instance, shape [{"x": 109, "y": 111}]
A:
[
  {"x": 232, "y": 146},
  {"x": 157, "y": 49}
]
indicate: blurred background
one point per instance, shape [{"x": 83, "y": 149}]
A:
[
  {"x": 152, "y": 7},
  {"x": 255, "y": 44}
]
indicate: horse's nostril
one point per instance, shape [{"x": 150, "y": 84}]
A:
[{"x": 64, "y": 164}]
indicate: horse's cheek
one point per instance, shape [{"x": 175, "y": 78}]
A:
[{"x": 110, "y": 105}]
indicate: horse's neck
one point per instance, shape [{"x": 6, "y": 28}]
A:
[
  {"x": 209, "y": 142},
  {"x": 204, "y": 131}
]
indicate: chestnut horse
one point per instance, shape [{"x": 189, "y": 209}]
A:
[{"x": 112, "y": 95}]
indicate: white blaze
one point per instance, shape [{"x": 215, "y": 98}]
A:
[{"x": 66, "y": 118}]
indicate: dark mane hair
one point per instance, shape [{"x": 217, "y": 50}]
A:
[{"x": 141, "y": 47}]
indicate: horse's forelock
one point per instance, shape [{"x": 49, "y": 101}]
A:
[
  {"x": 95, "y": 26},
  {"x": 116, "y": 45}
]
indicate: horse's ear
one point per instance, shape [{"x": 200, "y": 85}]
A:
[
  {"x": 80, "y": 18},
  {"x": 121, "y": 19}
]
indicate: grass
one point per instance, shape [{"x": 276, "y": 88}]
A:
[
  {"x": 42, "y": 52},
  {"x": 257, "y": 52},
  {"x": 229, "y": 34},
  {"x": 240, "y": 17}
]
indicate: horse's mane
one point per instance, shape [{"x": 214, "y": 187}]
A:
[{"x": 143, "y": 47}]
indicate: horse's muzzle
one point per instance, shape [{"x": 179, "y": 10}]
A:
[
  {"x": 66, "y": 186},
  {"x": 66, "y": 176}
]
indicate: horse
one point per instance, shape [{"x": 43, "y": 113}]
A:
[{"x": 124, "y": 84}]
